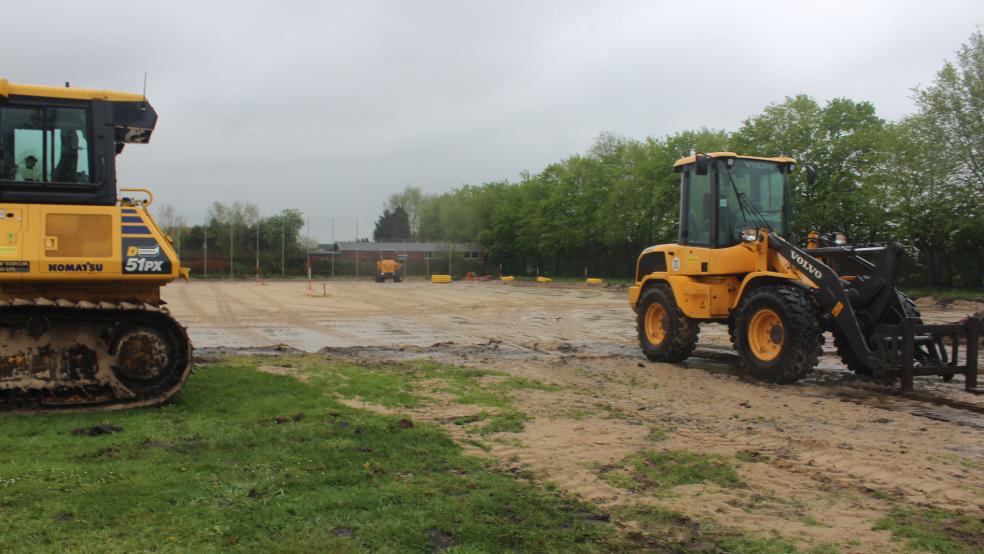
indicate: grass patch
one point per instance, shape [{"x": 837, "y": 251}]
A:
[
  {"x": 408, "y": 385},
  {"x": 509, "y": 421},
  {"x": 213, "y": 470},
  {"x": 656, "y": 434},
  {"x": 751, "y": 456},
  {"x": 658, "y": 472},
  {"x": 661, "y": 530},
  {"x": 938, "y": 531},
  {"x": 385, "y": 389}
]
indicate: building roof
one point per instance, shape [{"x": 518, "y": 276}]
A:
[{"x": 342, "y": 246}]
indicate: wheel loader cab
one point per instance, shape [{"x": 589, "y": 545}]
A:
[{"x": 728, "y": 193}]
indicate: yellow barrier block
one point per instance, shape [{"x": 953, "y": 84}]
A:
[
  {"x": 440, "y": 278},
  {"x": 542, "y": 279},
  {"x": 508, "y": 278},
  {"x": 595, "y": 281}
]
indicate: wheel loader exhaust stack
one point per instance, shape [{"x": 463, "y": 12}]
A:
[
  {"x": 82, "y": 324},
  {"x": 733, "y": 265}
]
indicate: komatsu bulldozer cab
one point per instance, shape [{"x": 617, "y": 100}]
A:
[
  {"x": 722, "y": 194},
  {"x": 58, "y": 145}
]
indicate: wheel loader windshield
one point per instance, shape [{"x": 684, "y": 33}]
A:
[{"x": 750, "y": 193}]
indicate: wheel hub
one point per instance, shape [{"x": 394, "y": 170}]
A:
[
  {"x": 655, "y": 332},
  {"x": 765, "y": 335},
  {"x": 141, "y": 355}
]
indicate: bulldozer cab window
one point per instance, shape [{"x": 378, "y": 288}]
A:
[
  {"x": 697, "y": 215},
  {"x": 761, "y": 185},
  {"x": 44, "y": 145}
]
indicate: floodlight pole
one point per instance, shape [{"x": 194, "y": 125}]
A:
[
  {"x": 205, "y": 249},
  {"x": 333, "y": 249},
  {"x": 232, "y": 260},
  {"x": 283, "y": 245},
  {"x": 258, "y": 251}
]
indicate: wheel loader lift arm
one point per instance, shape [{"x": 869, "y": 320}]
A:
[{"x": 830, "y": 295}]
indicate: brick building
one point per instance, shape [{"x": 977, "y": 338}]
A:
[{"x": 418, "y": 258}]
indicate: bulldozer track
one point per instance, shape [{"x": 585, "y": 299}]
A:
[{"x": 95, "y": 389}]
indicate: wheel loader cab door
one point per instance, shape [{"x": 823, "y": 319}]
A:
[{"x": 697, "y": 219}]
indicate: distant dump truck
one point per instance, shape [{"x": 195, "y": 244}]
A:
[{"x": 389, "y": 269}]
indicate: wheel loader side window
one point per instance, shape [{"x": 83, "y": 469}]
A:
[
  {"x": 698, "y": 209},
  {"x": 44, "y": 145}
]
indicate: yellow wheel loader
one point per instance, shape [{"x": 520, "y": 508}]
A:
[
  {"x": 82, "y": 324},
  {"x": 732, "y": 265},
  {"x": 387, "y": 268}
]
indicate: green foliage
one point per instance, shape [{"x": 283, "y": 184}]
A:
[
  {"x": 213, "y": 471},
  {"x": 392, "y": 226},
  {"x": 234, "y": 228}
]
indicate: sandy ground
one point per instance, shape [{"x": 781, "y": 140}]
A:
[{"x": 836, "y": 453}]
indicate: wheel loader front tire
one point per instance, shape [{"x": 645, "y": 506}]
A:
[
  {"x": 778, "y": 333},
  {"x": 666, "y": 334}
]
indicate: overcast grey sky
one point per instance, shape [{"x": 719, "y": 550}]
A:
[{"x": 330, "y": 107}]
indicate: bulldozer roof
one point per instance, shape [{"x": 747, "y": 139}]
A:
[
  {"x": 7, "y": 89},
  {"x": 691, "y": 159}
]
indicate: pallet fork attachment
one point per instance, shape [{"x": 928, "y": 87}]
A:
[{"x": 942, "y": 337}]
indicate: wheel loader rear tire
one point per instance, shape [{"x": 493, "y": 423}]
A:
[
  {"x": 778, "y": 333},
  {"x": 666, "y": 334}
]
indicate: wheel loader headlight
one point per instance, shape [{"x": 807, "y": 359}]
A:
[
  {"x": 749, "y": 234},
  {"x": 840, "y": 239}
]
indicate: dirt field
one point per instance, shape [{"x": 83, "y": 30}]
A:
[{"x": 823, "y": 460}]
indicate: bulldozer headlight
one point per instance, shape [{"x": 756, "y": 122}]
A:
[
  {"x": 749, "y": 234},
  {"x": 840, "y": 239}
]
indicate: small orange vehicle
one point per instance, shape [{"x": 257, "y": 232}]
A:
[{"x": 389, "y": 269}]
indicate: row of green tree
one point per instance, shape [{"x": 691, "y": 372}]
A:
[
  {"x": 918, "y": 181},
  {"x": 226, "y": 244}
]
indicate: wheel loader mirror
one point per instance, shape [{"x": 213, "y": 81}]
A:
[
  {"x": 811, "y": 175},
  {"x": 703, "y": 162}
]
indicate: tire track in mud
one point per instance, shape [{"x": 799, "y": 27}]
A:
[
  {"x": 819, "y": 459},
  {"x": 232, "y": 321},
  {"x": 292, "y": 316}
]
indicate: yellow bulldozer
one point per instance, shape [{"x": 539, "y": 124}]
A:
[
  {"x": 82, "y": 324},
  {"x": 733, "y": 265}
]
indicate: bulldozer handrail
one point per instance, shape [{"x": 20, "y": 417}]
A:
[{"x": 150, "y": 195}]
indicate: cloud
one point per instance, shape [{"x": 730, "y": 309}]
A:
[{"x": 331, "y": 106}]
